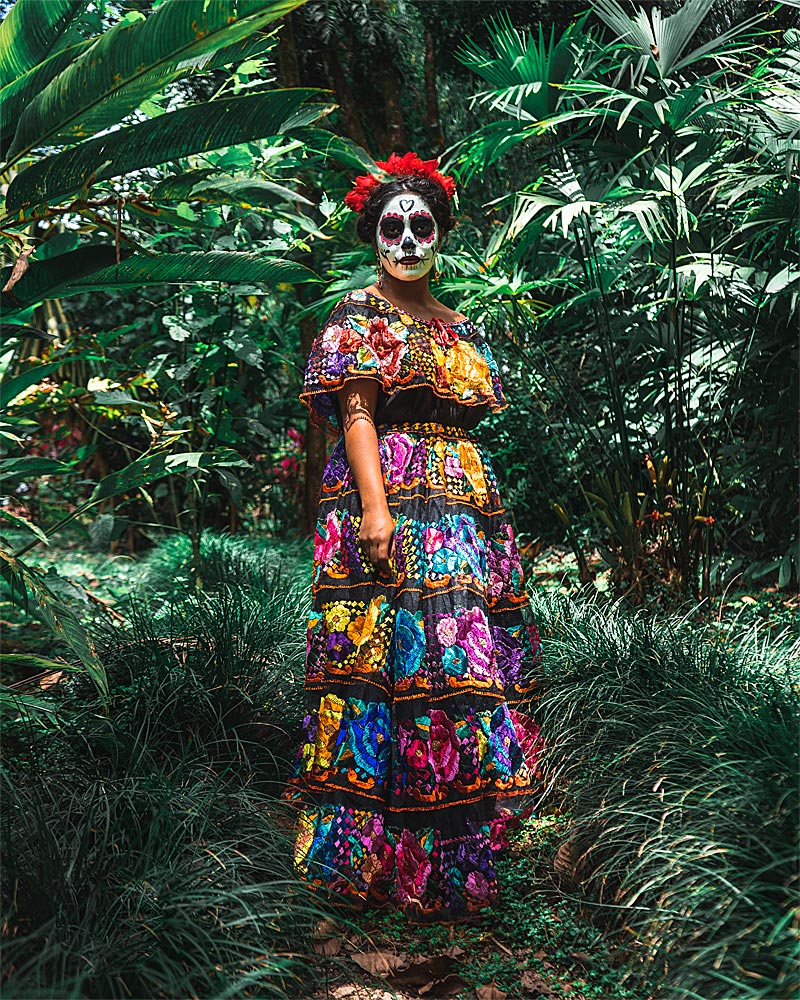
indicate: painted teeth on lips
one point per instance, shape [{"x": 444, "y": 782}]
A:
[{"x": 410, "y": 260}]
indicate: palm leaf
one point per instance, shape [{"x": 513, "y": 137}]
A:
[
  {"x": 18, "y": 94},
  {"x": 29, "y": 32},
  {"x": 43, "y": 278},
  {"x": 134, "y": 60},
  {"x": 195, "y": 129},
  {"x": 55, "y": 278}
]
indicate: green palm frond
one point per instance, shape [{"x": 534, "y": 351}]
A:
[
  {"x": 195, "y": 129},
  {"x": 30, "y": 31},
  {"x": 134, "y": 60},
  {"x": 56, "y": 276}
]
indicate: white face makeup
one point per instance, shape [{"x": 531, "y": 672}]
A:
[{"x": 407, "y": 236}]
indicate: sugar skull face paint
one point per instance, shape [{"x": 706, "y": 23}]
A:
[{"x": 407, "y": 236}]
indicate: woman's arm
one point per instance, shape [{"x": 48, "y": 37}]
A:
[{"x": 357, "y": 401}]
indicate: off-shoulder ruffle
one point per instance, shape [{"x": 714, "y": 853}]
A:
[{"x": 365, "y": 336}]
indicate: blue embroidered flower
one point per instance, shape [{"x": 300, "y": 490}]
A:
[
  {"x": 409, "y": 643},
  {"x": 368, "y": 738},
  {"x": 454, "y": 660}
]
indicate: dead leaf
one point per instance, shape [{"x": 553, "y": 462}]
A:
[
  {"x": 490, "y": 992},
  {"x": 328, "y": 947},
  {"x": 381, "y": 963},
  {"x": 582, "y": 956},
  {"x": 21, "y": 265},
  {"x": 450, "y": 986},
  {"x": 454, "y": 951},
  {"x": 541, "y": 953},
  {"x": 423, "y": 970}
]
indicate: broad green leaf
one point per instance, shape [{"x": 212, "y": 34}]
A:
[
  {"x": 17, "y": 95},
  {"x": 29, "y": 31},
  {"x": 20, "y": 522},
  {"x": 133, "y": 61},
  {"x": 195, "y": 129},
  {"x": 44, "y": 278},
  {"x": 30, "y": 467},
  {"x": 58, "y": 280},
  {"x": 11, "y": 388}
]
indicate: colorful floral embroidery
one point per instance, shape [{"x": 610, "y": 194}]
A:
[
  {"x": 366, "y": 337},
  {"x": 421, "y": 688}
]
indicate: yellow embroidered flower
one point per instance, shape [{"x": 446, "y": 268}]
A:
[
  {"x": 329, "y": 723},
  {"x": 337, "y": 617},
  {"x": 355, "y": 629},
  {"x": 303, "y": 839},
  {"x": 473, "y": 469},
  {"x": 467, "y": 372}
]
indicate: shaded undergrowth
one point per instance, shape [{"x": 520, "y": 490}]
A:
[{"x": 146, "y": 853}]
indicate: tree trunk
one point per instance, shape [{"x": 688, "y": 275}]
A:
[
  {"x": 432, "y": 118},
  {"x": 348, "y": 107}
]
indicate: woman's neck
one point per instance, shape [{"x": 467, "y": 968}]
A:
[{"x": 414, "y": 296}]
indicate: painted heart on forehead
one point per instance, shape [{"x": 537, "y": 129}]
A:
[{"x": 407, "y": 236}]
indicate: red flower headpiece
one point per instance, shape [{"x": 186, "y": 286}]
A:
[{"x": 397, "y": 166}]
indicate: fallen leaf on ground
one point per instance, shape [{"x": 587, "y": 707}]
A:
[
  {"x": 423, "y": 970},
  {"x": 328, "y": 947},
  {"x": 381, "y": 963},
  {"x": 582, "y": 956},
  {"x": 450, "y": 986},
  {"x": 490, "y": 992},
  {"x": 454, "y": 951}
]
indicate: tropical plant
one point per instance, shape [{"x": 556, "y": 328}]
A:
[{"x": 643, "y": 152}]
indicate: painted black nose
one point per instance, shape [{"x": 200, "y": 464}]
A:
[{"x": 408, "y": 243}]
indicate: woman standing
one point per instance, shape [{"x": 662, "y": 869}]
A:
[{"x": 420, "y": 646}]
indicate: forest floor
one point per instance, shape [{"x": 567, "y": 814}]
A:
[{"x": 539, "y": 941}]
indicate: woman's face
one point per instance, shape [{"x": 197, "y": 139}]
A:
[{"x": 407, "y": 236}]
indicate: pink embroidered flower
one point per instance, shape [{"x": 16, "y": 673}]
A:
[
  {"x": 432, "y": 539},
  {"x": 447, "y": 631},
  {"x": 498, "y": 837},
  {"x": 401, "y": 449},
  {"x": 416, "y": 754},
  {"x": 528, "y": 736},
  {"x": 331, "y": 338},
  {"x": 326, "y": 546},
  {"x": 452, "y": 467},
  {"x": 477, "y": 885},
  {"x": 444, "y": 744},
  {"x": 473, "y": 633},
  {"x": 494, "y": 588},
  {"x": 389, "y": 349},
  {"x": 413, "y": 867}
]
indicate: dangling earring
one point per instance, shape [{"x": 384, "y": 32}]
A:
[
  {"x": 379, "y": 271},
  {"x": 437, "y": 271}
]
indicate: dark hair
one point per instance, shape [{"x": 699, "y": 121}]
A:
[{"x": 431, "y": 191}]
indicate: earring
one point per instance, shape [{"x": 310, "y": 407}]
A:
[
  {"x": 379, "y": 271},
  {"x": 437, "y": 271}
]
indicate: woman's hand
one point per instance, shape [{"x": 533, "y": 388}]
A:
[
  {"x": 375, "y": 538},
  {"x": 357, "y": 401}
]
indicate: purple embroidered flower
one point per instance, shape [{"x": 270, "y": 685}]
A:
[
  {"x": 444, "y": 744},
  {"x": 401, "y": 449},
  {"x": 339, "y": 647},
  {"x": 503, "y": 742},
  {"x": 413, "y": 867},
  {"x": 452, "y": 467},
  {"x": 507, "y": 655},
  {"x": 495, "y": 586},
  {"x": 477, "y": 885}
]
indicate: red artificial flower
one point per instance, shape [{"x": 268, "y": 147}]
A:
[{"x": 407, "y": 165}]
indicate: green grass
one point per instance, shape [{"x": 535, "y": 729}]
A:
[{"x": 145, "y": 853}]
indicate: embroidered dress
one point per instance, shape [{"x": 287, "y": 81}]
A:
[{"x": 415, "y": 740}]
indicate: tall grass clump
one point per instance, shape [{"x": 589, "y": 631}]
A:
[
  {"x": 674, "y": 746},
  {"x": 145, "y": 851},
  {"x": 250, "y": 563}
]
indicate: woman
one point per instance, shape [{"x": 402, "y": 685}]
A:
[{"x": 419, "y": 647}]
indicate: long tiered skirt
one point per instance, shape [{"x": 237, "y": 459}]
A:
[{"x": 420, "y": 735}]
